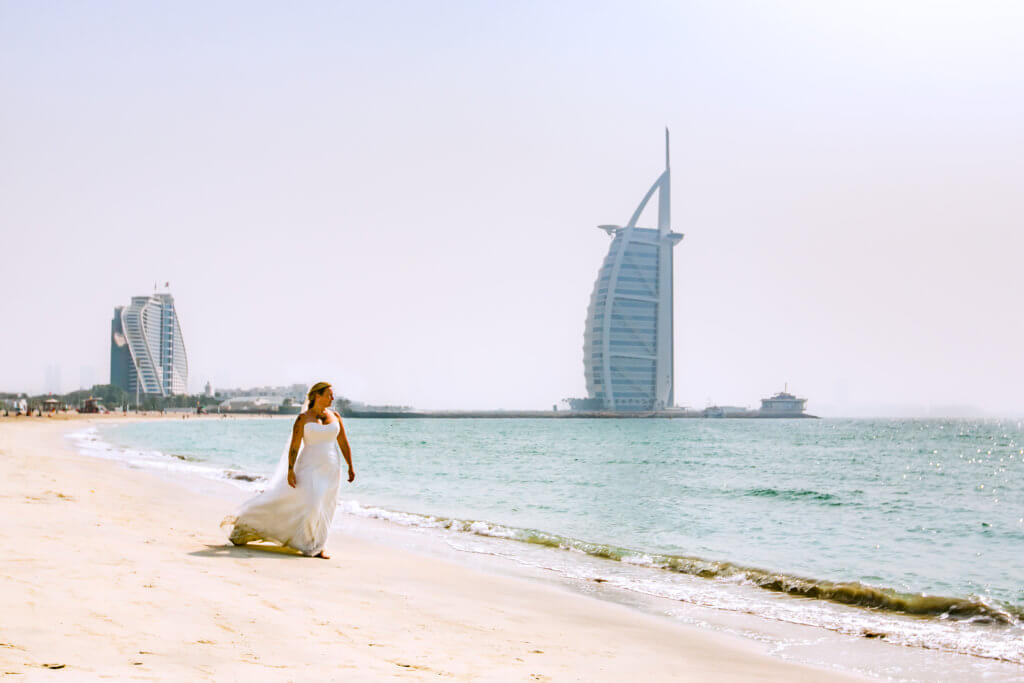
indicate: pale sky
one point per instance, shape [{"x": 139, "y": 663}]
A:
[{"x": 401, "y": 197}]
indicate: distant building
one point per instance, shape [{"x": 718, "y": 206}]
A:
[
  {"x": 208, "y": 391},
  {"x": 628, "y": 340},
  {"x": 17, "y": 405},
  {"x": 147, "y": 351},
  {"x": 584, "y": 403},
  {"x": 296, "y": 392},
  {"x": 256, "y": 404},
  {"x": 121, "y": 364},
  {"x": 782, "y": 404},
  {"x": 360, "y": 407},
  {"x": 725, "y": 411}
]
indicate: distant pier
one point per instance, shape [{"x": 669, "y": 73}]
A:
[{"x": 563, "y": 414}]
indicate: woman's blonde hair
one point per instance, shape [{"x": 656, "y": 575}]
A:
[{"x": 316, "y": 390}]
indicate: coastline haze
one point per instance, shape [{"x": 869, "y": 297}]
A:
[{"x": 403, "y": 200}]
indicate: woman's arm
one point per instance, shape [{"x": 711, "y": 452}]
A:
[
  {"x": 293, "y": 448},
  {"x": 346, "y": 450}
]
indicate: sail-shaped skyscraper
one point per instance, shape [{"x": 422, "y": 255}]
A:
[
  {"x": 147, "y": 351},
  {"x": 628, "y": 341}
]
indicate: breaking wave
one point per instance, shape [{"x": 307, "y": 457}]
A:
[{"x": 846, "y": 593}]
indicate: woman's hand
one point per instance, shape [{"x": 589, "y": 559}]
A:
[
  {"x": 351, "y": 474},
  {"x": 291, "y": 478}
]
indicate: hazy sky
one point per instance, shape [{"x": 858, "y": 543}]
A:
[{"x": 401, "y": 197}]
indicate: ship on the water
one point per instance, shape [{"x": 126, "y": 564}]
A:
[{"x": 783, "y": 404}]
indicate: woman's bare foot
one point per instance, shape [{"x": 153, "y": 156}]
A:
[{"x": 322, "y": 555}]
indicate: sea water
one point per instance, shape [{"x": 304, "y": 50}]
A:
[{"x": 906, "y": 530}]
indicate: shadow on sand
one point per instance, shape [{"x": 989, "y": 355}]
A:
[{"x": 251, "y": 550}]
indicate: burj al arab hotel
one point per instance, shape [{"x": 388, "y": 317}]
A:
[{"x": 628, "y": 342}]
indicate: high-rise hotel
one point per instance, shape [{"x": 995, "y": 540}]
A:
[
  {"x": 628, "y": 341},
  {"x": 147, "y": 351}
]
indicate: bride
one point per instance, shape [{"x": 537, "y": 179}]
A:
[{"x": 297, "y": 507}]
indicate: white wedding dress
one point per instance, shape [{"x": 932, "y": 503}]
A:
[{"x": 299, "y": 517}]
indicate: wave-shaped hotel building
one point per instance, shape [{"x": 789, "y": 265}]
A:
[
  {"x": 147, "y": 350},
  {"x": 628, "y": 342}
]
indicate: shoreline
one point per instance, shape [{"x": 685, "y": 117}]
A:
[
  {"x": 878, "y": 598},
  {"x": 114, "y": 571}
]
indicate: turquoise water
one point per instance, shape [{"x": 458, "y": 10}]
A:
[{"x": 908, "y": 517}]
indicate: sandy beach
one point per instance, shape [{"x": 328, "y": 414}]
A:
[{"x": 117, "y": 573}]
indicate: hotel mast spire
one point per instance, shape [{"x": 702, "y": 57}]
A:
[
  {"x": 666, "y": 148},
  {"x": 665, "y": 195}
]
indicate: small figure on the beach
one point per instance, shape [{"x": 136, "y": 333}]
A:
[{"x": 298, "y": 505}]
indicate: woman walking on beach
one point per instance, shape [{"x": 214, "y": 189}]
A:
[{"x": 297, "y": 507}]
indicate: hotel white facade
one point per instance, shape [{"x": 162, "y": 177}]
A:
[
  {"x": 147, "y": 350},
  {"x": 628, "y": 341}
]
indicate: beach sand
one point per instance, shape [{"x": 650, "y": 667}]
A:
[{"x": 110, "y": 572}]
